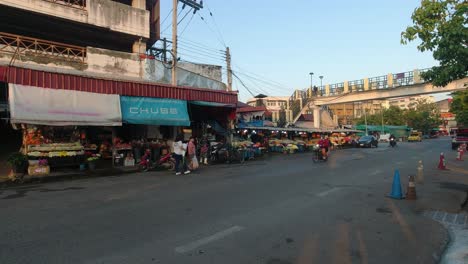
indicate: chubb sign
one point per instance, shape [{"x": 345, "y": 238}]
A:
[{"x": 154, "y": 111}]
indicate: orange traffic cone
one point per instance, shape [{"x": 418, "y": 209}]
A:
[
  {"x": 442, "y": 162},
  {"x": 411, "y": 191}
]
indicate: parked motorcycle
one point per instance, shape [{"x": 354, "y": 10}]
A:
[{"x": 147, "y": 164}]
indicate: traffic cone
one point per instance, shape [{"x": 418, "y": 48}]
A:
[
  {"x": 420, "y": 175},
  {"x": 411, "y": 191},
  {"x": 441, "y": 165},
  {"x": 396, "y": 187}
]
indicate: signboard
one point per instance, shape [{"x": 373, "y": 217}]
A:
[
  {"x": 154, "y": 111},
  {"x": 57, "y": 107}
]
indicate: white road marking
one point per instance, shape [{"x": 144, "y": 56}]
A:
[
  {"x": 322, "y": 194},
  {"x": 195, "y": 244},
  {"x": 375, "y": 172}
]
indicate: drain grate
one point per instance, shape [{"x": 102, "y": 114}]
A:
[{"x": 460, "y": 219}]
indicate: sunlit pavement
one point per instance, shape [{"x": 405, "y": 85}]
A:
[{"x": 276, "y": 210}]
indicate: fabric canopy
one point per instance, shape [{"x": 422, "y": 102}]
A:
[
  {"x": 154, "y": 111},
  {"x": 56, "y": 107}
]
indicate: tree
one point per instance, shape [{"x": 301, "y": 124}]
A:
[
  {"x": 440, "y": 26},
  {"x": 423, "y": 115},
  {"x": 394, "y": 116},
  {"x": 459, "y": 107}
]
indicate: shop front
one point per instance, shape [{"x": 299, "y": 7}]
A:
[
  {"x": 149, "y": 127},
  {"x": 54, "y": 124}
]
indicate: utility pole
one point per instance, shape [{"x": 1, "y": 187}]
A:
[
  {"x": 229, "y": 70},
  {"x": 164, "y": 50},
  {"x": 174, "y": 42}
]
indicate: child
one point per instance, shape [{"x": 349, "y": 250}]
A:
[{"x": 204, "y": 153}]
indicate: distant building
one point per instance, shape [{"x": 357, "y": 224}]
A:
[
  {"x": 448, "y": 118},
  {"x": 273, "y": 104},
  {"x": 405, "y": 102}
]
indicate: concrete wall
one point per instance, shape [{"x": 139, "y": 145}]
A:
[
  {"x": 110, "y": 64},
  {"x": 211, "y": 71},
  {"x": 102, "y": 13}
]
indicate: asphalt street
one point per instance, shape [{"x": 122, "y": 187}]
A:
[{"x": 279, "y": 209}]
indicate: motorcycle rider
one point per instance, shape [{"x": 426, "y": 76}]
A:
[
  {"x": 392, "y": 140},
  {"x": 324, "y": 145}
]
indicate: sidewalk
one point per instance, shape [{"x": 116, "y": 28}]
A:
[
  {"x": 443, "y": 198},
  {"x": 72, "y": 174}
]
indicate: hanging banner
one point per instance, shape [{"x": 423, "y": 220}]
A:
[
  {"x": 56, "y": 107},
  {"x": 154, "y": 111}
]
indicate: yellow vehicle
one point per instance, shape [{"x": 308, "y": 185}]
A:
[{"x": 415, "y": 136}]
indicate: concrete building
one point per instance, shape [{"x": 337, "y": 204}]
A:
[
  {"x": 273, "y": 104},
  {"x": 405, "y": 102},
  {"x": 448, "y": 118},
  {"x": 95, "y": 38},
  {"x": 97, "y": 49}
]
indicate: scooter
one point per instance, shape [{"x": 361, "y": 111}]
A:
[
  {"x": 392, "y": 142},
  {"x": 319, "y": 157},
  {"x": 147, "y": 164}
]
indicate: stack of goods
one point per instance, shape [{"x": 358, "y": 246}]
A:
[
  {"x": 57, "y": 153},
  {"x": 38, "y": 167}
]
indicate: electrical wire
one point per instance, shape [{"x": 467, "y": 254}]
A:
[
  {"x": 188, "y": 11},
  {"x": 216, "y": 35},
  {"x": 216, "y": 24},
  {"x": 183, "y": 30},
  {"x": 264, "y": 83},
  {"x": 196, "y": 44},
  {"x": 170, "y": 12},
  {"x": 243, "y": 84},
  {"x": 170, "y": 24}
]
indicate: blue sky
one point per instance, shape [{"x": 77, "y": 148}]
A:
[{"x": 282, "y": 41}]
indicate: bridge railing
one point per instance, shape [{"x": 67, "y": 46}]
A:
[
  {"x": 379, "y": 82},
  {"x": 336, "y": 88},
  {"x": 356, "y": 86},
  {"x": 403, "y": 79}
]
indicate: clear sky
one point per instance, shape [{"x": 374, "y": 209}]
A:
[{"x": 282, "y": 41}]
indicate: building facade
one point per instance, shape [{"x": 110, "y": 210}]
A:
[
  {"x": 406, "y": 102},
  {"x": 84, "y": 68},
  {"x": 274, "y": 105}
]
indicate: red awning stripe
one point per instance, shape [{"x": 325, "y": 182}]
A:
[{"x": 104, "y": 86}]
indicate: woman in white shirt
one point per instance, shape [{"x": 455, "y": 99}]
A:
[{"x": 179, "y": 153}]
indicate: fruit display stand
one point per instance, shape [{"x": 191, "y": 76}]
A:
[{"x": 57, "y": 154}]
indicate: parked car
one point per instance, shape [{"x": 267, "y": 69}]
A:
[
  {"x": 367, "y": 142},
  {"x": 415, "y": 136},
  {"x": 461, "y": 136}
]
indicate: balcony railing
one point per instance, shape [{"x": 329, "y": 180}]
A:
[
  {"x": 15, "y": 44},
  {"x": 81, "y": 4}
]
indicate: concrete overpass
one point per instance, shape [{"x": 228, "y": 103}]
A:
[
  {"x": 393, "y": 92},
  {"x": 375, "y": 88}
]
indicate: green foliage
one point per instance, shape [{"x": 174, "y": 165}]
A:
[
  {"x": 459, "y": 107},
  {"x": 421, "y": 115},
  {"x": 17, "y": 159},
  {"x": 282, "y": 118},
  {"x": 440, "y": 25}
]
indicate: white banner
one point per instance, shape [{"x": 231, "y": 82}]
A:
[{"x": 55, "y": 107}]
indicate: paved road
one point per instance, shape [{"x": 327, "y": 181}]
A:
[{"x": 277, "y": 210}]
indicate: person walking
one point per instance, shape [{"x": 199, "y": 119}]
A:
[
  {"x": 204, "y": 152},
  {"x": 179, "y": 153},
  {"x": 192, "y": 154}
]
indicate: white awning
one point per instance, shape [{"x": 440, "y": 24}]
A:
[{"x": 56, "y": 107}]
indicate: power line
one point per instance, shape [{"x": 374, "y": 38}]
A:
[
  {"x": 272, "y": 86},
  {"x": 216, "y": 25},
  {"x": 170, "y": 12},
  {"x": 196, "y": 44},
  {"x": 188, "y": 11},
  {"x": 183, "y": 30},
  {"x": 243, "y": 84},
  {"x": 217, "y": 37},
  {"x": 202, "y": 54},
  {"x": 261, "y": 77},
  {"x": 168, "y": 26}
]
